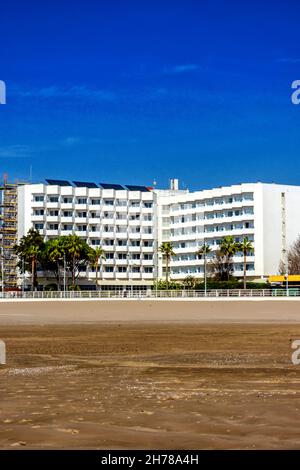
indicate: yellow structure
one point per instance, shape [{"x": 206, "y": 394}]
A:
[
  {"x": 9, "y": 234},
  {"x": 282, "y": 278}
]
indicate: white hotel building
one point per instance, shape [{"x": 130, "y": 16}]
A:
[{"x": 130, "y": 223}]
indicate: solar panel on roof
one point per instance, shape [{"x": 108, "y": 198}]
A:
[
  {"x": 137, "y": 188},
  {"x": 82, "y": 184},
  {"x": 59, "y": 182},
  {"x": 111, "y": 186}
]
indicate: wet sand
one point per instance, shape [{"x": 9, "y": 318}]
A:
[{"x": 146, "y": 385}]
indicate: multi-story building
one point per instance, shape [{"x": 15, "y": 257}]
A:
[
  {"x": 130, "y": 223},
  {"x": 267, "y": 214},
  {"x": 119, "y": 219}
]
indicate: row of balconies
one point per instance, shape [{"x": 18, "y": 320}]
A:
[
  {"x": 89, "y": 206},
  {"x": 207, "y": 235},
  {"x": 128, "y": 262},
  {"x": 221, "y": 220},
  {"x": 209, "y": 208}
]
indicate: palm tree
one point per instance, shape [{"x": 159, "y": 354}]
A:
[
  {"x": 74, "y": 248},
  {"x": 166, "y": 249},
  {"x": 95, "y": 256},
  {"x": 29, "y": 251},
  {"x": 203, "y": 251},
  {"x": 228, "y": 249},
  {"x": 245, "y": 247}
]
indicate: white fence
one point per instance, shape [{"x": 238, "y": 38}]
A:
[{"x": 170, "y": 294}]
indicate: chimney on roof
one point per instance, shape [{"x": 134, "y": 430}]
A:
[{"x": 174, "y": 184}]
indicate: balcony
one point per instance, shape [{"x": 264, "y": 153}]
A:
[
  {"x": 81, "y": 220},
  {"x": 121, "y": 276},
  {"x": 38, "y": 218},
  {"x": 108, "y": 275},
  {"x": 66, "y": 220},
  {"x": 96, "y": 234},
  {"x": 121, "y": 248},
  {"x": 64, "y": 205},
  {"x": 52, "y": 233}
]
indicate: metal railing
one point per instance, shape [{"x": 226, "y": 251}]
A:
[{"x": 152, "y": 294}]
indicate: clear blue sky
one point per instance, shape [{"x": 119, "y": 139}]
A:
[{"x": 132, "y": 91}]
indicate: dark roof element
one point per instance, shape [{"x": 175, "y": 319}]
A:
[
  {"x": 137, "y": 188},
  {"x": 111, "y": 186},
  {"x": 59, "y": 182},
  {"x": 82, "y": 184}
]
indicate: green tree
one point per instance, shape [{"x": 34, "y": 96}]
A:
[
  {"x": 77, "y": 254},
  {"x": 95, "y": 256},
  {"x": 53, "y": 257},
  {"x": 228, "y": 249},
  {"x": 189, "y": 282},
  {"x": 245, "y": 247},
  {"x": 30, "y": 252},
  {"x": 166, "y": 249}
]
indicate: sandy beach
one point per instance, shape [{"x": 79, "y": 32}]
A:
[{"x": 149, "y": 383}]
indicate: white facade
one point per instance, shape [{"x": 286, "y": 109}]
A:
[
  {"x": 121, "y": 221},
  {"x": 130, "y": 226}
]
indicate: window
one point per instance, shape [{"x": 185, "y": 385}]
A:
[
  {"x": 136, "y": 256},
  {"x": 53, "y": 198},
  {"x": 122, "y": 242},
  {"x": 109, "y": 242},
  {"x": 53, "y": 226},
  {"x": 95, "y": 242},
  {"x": 67, "y": 214},
  {"x": 148, "y": 205},
  {"x": 109, "y": 255},
  {"x": 96, "y": 202},
  {"x": 108, "y": 202},
  {"x": 148, "y": 256},
  {"x": 39, "y": 226},
  {"x": 39, "y": 212},
  {"x": 38, "y": 198},
  {"x": 81, "y": 200},
  {"x": 53, "y": 213},
  {"x": 67, "y": 227},
  {"x": 67, "y": 200},
  {"x": 148, "y": 270},
  {"x": 122, "y": 202},
  {"x": 136, "y": 269},
  {"x": 122, "y": 256},
  {"x": 109, "y": 269},
  {"x": 122, "y": 269},
  {"x": 148, "y": 243},
  {"x": 135, "y": 243}
]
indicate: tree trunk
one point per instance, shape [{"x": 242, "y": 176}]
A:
[
  {"x": 96, "y": 274},
  {"x": 167, "y": 272},
  {"x": 245, "y": 266},
  {"x": 73, "y": 273},
  {"x": 32, "y": 274},
  {"x": 58, "y": 276}
]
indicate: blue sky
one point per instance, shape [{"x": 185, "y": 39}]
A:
[{"x": 131, "y": 92}]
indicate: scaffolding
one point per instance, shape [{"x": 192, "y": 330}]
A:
[{"x": 9, "y": 234}]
